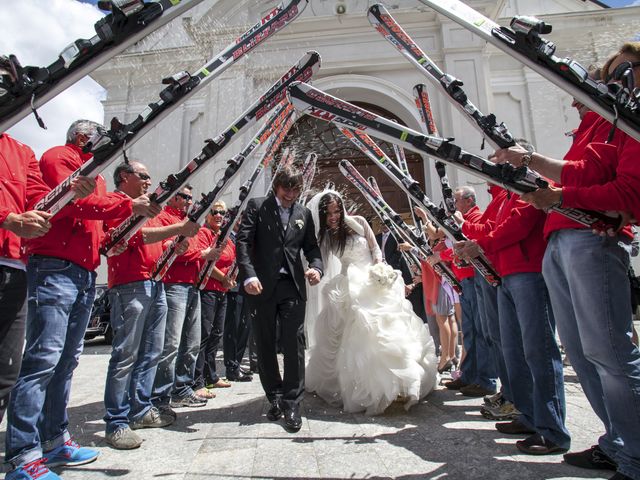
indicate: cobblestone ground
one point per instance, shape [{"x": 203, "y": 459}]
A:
[{"x": 442, "y": 437}]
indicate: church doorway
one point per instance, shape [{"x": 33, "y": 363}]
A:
[{"x": 313, "y": 135}]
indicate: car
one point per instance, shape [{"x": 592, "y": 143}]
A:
[{"x": 100, "y": 321}]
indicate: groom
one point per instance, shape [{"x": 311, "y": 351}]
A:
[{"x": 273, "y": 232}]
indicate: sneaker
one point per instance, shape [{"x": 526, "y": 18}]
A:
[
  {"x": 32, "y": 471},
  {"x": 124, "y": 439},
  {"x": 191, "y": 400},
  {"x": 166, "y": 410},
  {"x": 475, "y": 390},
  {"x": 593, "y": 458},
  {"x": 70, "y": 454},
  {"x": 495, "y": 400},
  {"x": 153, "y": 419},
  {"x": 506, "y": 411}
]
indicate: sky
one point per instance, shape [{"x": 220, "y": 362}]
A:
[{"x": 36, "y": 31}]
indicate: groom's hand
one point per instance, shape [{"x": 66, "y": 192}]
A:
[
  {"x": 313, "y": 276},
  {"x": 254, "y": 287}
]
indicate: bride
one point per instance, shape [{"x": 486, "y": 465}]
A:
[{"x": 366, "y": 346}]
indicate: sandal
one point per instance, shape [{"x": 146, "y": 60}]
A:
[{"x": 204, "y": 392}]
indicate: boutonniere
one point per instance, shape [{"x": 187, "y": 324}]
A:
[{"x": 300, "y": 223}]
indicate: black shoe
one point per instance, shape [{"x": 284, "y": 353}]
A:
[
  {"x": 514, "y": 427},
  {"x": 246, "y": 371},
  {"x": 292, "y": 419},
  {"x": 239, "y": 377},
  {"x": 455, "y": 384},
  {"x": 536, "y": 444},
  {"x": 275, "y": 411},
  {"x": 620, "y": 476},
  {"x": 593, "y": 458}
]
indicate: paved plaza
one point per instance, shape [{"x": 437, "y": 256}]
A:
[{"x": 442, "y": 437}]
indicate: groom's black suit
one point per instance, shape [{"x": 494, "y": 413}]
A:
[{"x": 264, "y": 249}]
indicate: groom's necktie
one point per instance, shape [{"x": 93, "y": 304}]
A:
[{"x": 285, "y": 214}]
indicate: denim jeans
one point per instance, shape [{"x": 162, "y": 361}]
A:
[
  {"x": 532, "y": 356},
  {"x": 487, "y": 297},
  {"x": 477, "y": 366},
  {"x": 176, "y": 369},
  {"x": 60, "y": 297},
  {"x": 13, "y": 304},
  {"x": 237, "y": 328},
  {"x": 588, "y": 285},
  {"x": 213, "y": 309},
  {"x": 138, "y": 320}
]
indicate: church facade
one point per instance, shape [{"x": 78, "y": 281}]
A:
[{"x": 359, "y": 66}]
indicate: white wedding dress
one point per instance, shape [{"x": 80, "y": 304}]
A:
[{"x": 367, "y": 347}]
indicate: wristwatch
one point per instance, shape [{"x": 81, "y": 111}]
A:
[{"x": 526, "y": 159}]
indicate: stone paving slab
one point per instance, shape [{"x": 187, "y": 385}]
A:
[{"x": 442, "y": 437}]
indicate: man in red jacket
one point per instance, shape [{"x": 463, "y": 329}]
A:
[
  {"x": 21, "y": 186},
  {"x": 478, "y": 371},
  {"x": 61, "y": 289},
  {"x": 138, "y": 319},
  {"x": 173, "y": 385},
  {"x": 587, "y": 274}
]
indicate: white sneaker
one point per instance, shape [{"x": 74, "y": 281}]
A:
[{"x": 124, "y": 439}]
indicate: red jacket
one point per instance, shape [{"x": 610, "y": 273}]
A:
[
  {"x": 597, "y": 176},
  {"x": 516, "y": 243},
  {"x": 185, "y": 267},
  {"x": 474, "y": 230},
  {"x": 76, "y": 231},
  {"x": 21, "y": 187},
  {"x": 138, "y": 261},
  {"x": 223, "y": 264},
  {"x": 473, "y": 215}
]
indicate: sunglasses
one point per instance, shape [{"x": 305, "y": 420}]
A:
[
  {"x": 142, "y": 176},
  {"x": 218, "y": 212},
  {"x": 619, "y": 71},
  {"x": 186, "y": 196}
]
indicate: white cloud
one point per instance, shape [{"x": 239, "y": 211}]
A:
[{"x": 36, "y": 31}]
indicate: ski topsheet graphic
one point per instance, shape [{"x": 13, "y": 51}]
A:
[
  {"x": 199, "y": 211},
  {"x": 617, "y": 103},
  {"x": 128, "y": 22},
  {"x": 316, "y": 103},
  {"x": 496, "y": 134},
  {"x": 107, "y": 145},
  {"x": 304, "y": 69}
]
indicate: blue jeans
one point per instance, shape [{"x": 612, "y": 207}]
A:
[
  {"x": 60, "y": 297},
  {"x": 487, "y": 297},
  {"x": 213, "y": 309},
  {"x": 589, "y": 289},
  {"x": 176, "y": 369},
  {"x": 477, "y": 366},
  {"x": 532, "y": 356},
  {"x": 138, "y": 320}
]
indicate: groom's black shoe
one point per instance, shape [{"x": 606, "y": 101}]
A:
[
  {"x": 292, "y": 419},
  {"x": 275, "y": 410}
]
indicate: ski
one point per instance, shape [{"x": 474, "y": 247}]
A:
[
  {"x": 200, "y": 209},
  {"x": 234, "y": 214},
  {"x": 497, "y": 134},
  {"x": 402, "y": 163},
  {"x": 308, "y": 174},
  {"x": 321, "y": 105},
  {"x": 107, "y": 145},
  {"x": 128, "y": 22},
  {"x": 366, "y": 144},
  {"x": 305, "y": 68},
  {"x": 379, "y": 205},
  {"x": 409, "y": 257},
  {"x": 426, "y": 114},
  {"x": 619, "y": 105}
]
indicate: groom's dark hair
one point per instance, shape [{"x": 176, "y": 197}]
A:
[{"x": 288, "y": 177}]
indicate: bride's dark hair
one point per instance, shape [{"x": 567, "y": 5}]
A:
[{"x": 337, "y": 239}]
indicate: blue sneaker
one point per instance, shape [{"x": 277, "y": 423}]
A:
[
  {"x": 70, "y": 454},
  {"x": 35, "y": 470}
]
